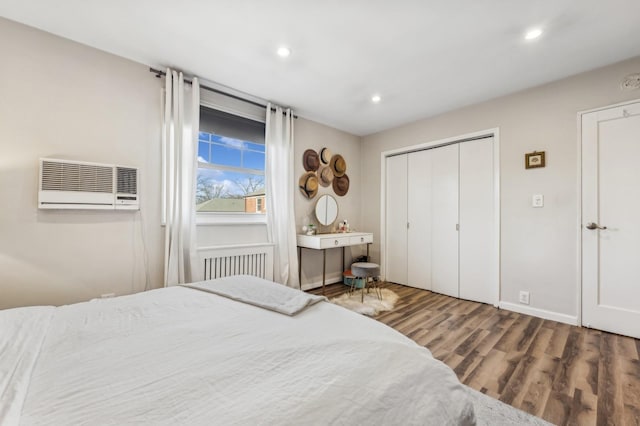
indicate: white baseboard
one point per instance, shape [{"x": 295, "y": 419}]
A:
[
  {"x": 329, "y": 279},
  {"x": 540, "y": 313}
]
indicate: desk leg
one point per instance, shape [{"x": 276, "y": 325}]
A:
[
  {"x": 300, "y": 267},
  {"x": 342, "y": 261},
  {"x": 324, "y": 267}
]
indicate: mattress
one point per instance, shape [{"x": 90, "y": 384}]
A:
[{"x": 183, "y": 356}]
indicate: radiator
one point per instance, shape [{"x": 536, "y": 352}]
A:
[{"x": 224, "y": 261}]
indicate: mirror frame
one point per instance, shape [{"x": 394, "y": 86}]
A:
[{"x": 322, "y": 208}]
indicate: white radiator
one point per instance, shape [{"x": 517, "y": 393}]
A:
[{"x": 224, "y": 261}]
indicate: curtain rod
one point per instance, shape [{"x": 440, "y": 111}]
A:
[{"x": 160, "y": 73}]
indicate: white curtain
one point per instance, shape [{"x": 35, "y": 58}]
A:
[
  {"x": 280, "y": 184},
  {"x": 179, "y": 141}
]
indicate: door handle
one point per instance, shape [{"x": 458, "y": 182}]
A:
[{"x": 592, "y": 225}]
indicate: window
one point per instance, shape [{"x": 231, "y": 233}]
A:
[{"x": 231, "y": 163}]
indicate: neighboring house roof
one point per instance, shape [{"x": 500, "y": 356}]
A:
[
  {"x": 255, "y": 193},
  {"x": 221, "y": 205}
]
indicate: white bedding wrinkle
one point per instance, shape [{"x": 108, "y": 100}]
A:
[
  {"x": 176, "y": 356},
  {"x": 22, "y": 332}
]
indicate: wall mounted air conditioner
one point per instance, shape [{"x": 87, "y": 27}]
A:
[{"x": 66, "y": 184}]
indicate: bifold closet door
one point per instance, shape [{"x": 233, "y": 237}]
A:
[
  {"x": 396, "y": 219},
  {"x": 419, "y": 220},
  {"x": 478, "y": 279},
  {"x": 444, "y": 220}
]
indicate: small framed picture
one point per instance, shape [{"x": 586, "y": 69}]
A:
[{"x": 533, "y": 160}]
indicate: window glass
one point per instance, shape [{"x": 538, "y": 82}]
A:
[
  {"x": 225, "y": 155},
  {"x": 203, "y": 152},
  {"x": 231, "y": 164},
  {"x": 253, "y": 159}
]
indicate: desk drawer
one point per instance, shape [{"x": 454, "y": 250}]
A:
[
  {"x": 362, "y": 239},
  {"x": 334, "y": 242}
]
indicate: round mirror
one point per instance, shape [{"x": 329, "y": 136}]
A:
[{"x": 326, "y": 210}]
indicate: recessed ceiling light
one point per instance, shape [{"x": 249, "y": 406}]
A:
[
  {"x": 375, "y": 99},
  {"x": 533, "y": 34},
  {"x": 284, "y": 52}
]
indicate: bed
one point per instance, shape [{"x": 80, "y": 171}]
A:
[{"x": 186, "y": 356}]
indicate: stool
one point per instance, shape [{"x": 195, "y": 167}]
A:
[{"x": 366, "y": 271}]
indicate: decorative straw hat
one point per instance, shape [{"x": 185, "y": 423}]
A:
[
  {"x": 310, "y": 160},
  {"x": 341, "y": 185},
  {"x": 308, "y": 184},
  {"x": 325, "y": 155},
  {"x": 326, "y": 175},
  {"x": 338, "y": 165}
]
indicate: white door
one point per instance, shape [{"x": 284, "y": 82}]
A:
[
  {"x": 478, "y": 271},
  {"x": 444, "y": 220},
  {"x": 396, "y": 219},
  {"x": 611, "y": 220},
  {"x": 419, "y": 219}
]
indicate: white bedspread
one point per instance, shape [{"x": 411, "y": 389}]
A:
[
  {"x": 179, "y": 356},
  {"x": 21, "y": 334}
]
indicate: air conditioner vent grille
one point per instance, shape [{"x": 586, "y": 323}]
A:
[
  {"x": 59, "y": 176},
  {"x": 127, "y": 180}
]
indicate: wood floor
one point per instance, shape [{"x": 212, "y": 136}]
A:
[{"x": 567, "y": 375}]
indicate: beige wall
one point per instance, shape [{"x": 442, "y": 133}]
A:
[
  {"x": 62, "y": 99},
  {"x": 539, "y": 247},
  {"x": 309, "y": 134}
]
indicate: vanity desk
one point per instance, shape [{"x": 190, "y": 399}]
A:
[{"x": 329, "y": 241}]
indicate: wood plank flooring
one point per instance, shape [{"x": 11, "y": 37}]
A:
[{"x": 564, "y": 374}]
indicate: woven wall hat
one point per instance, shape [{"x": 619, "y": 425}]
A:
[
  {"x": 338, "y": 165},
  {"x": 308, "y": 184},
  {"x": 325, "y": 155},
  {"x": 341, "y": 185},
  {"x": 310, "y": 160},
  {"x": 325, "y": 175}
]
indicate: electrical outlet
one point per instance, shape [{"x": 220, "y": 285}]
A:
[
  {"x": 524, "y": 297},
  {"x": 107, "y": 295}
]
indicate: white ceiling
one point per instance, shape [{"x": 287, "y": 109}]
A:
[{"x": 424, "y": 57}]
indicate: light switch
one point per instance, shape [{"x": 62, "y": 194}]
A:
[{"x": 537, "y": 200}]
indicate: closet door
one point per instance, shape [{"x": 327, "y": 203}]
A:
[
  {"x": 396, "y": 219},
  {"x": 419, "y": 218},
  {"x": 478, "y": 280},
  {"x": 444, "y": 220}
]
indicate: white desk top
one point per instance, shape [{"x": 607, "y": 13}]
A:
[{"x": 342, "y": 239}]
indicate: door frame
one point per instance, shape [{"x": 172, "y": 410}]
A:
[
  {"x": 495, "y": 133},
  {"x": 579, "y": 201}
]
